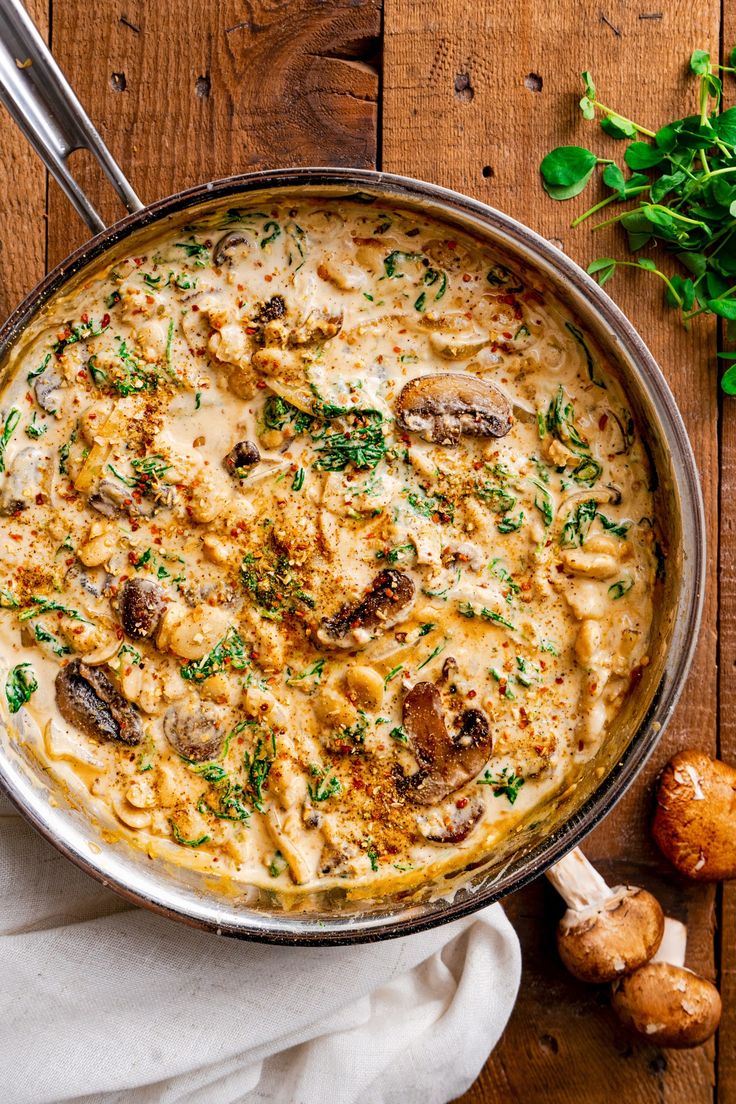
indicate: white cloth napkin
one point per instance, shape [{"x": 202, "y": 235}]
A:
[{"x": 103, "y": 1003}]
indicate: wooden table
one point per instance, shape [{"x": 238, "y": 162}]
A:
[{"x": 469, "y": 95}]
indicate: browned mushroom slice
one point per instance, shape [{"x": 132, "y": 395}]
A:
[
  {"x": 221, "y": 254},
  {"x": 386, "y": 602},
  {"x": 446, "y": 761},
  {"x": 196, "y": 735},
  {"x": 46, "y": 386},
  {"x": 241, "y": 457},
  {"x": 141, "y": 607},
  {"x": 445, "y": 406},
  {"x": 451, "y": 825},
  {"x": 88, "y": 700},
  {"x": 273, "y": 309}
]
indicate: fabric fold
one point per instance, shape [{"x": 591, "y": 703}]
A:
[{"x": 108, "y": 1004}]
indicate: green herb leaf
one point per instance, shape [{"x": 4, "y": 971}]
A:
[
  {"x": 506, "y": 784},
  {"x": 19, "y": 686},
  {"x": 180, "y": 839},
  {"x": 640, "y": 155},
  {"x": 623, "y": 586},
  {"x": 566, "y": 166},
  {"x": 8, "y": 430},
  {"x": 228, "y": 655},
  {"x": 617, "y": 127}
]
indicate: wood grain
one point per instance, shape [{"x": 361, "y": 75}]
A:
[
  {"x": 726, "y": 1066},
  {"x": 473, "y": 98},
  {"x": 191, "y": 92},
  {"x": 23, "y": 210}
]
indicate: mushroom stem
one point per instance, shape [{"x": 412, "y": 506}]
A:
[
  {"x": 673, "y": 945},
  {"x": 607, "y": 931},
  {"x": 578, "y": 882}
]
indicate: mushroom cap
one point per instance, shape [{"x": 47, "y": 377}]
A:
[
  {"x": 667, "y": 1005},
  {"x": 444, "y": 406},
  {"x": 87, "y": 699},
  {"x": 386, "y": 602},
  {"x": 696, "y": 812},
  {"x": 604, "y": 941},
  {"x": 447, "y": 760}
]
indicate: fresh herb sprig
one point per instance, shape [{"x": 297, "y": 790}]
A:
[
  {"x": 228, "y": 655},
  {"x": 506, "y": 784},
  {"x": 680, "y": 196}
]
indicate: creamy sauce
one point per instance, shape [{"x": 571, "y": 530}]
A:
[{"x": 221, "y": 418}]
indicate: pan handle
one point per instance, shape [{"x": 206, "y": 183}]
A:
[{"x": 42, "y": 103}]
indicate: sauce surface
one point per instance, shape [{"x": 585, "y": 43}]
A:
[{"x": 328, "y": 547}]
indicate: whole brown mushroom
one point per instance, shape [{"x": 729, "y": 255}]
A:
[
  {"x": 664, "y": 1002},
  {"x": 696, "y": 815},
  {"x": 606, "y": 932}
]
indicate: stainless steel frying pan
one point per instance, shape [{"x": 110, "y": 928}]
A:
[{"x": 41, "y": 102}]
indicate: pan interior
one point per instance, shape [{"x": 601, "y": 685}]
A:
[{"x": 332, "y": 916}]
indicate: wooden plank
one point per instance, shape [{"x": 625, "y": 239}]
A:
[
  {"x": 23, "y": 210},
  {"x": 191, "y": 92},
  {"x": 726, "y": 1068},
  {"x": 473, "y": 98}
]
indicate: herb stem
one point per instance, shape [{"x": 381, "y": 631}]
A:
[
  {"x": 618, "y": 115},
  {"x": 607, "y": 200}
]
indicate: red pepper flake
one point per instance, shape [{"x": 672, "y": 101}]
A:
[
  {"x": 451, "y": 244},
  {"x": 603, "y": 421},
  {"x": 261, "y": 384},
  {"x": 467, "y": 277},
  {"x": 268, "y": 279},
  {"x": 559, "y": 680},
  {"x": 138, "y": 261},
  {"x": 85, "y": 318},
  {"x": 472, "y": 693},
  {"x": 16, "y": 537},
  {"x": 461, "y": 803},
  {"x": 194, "y": 307},
  {"x": 397, "y": 348}
]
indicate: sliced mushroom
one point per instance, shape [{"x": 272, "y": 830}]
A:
[
  {"x": 141, "y": 607},
  {"x": 193, "y": 733},
  {"x": 443, "y": 407},
  {"x": 241, "y": 457},
  {"x": 46, "y": 385},
  {"x": 111, "y": 498},
  {"x": 451, "y": 825},
  {"x": 224, "y": 247},
  {"x": 23, "y": 483},
  {"x": 87, "y": 699},
  {"x": 386, "y": 602},
  {"x": 317, "y": 328},
  {"x": 273, "y": 309},
  {"x": 446, "y": 760}
]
